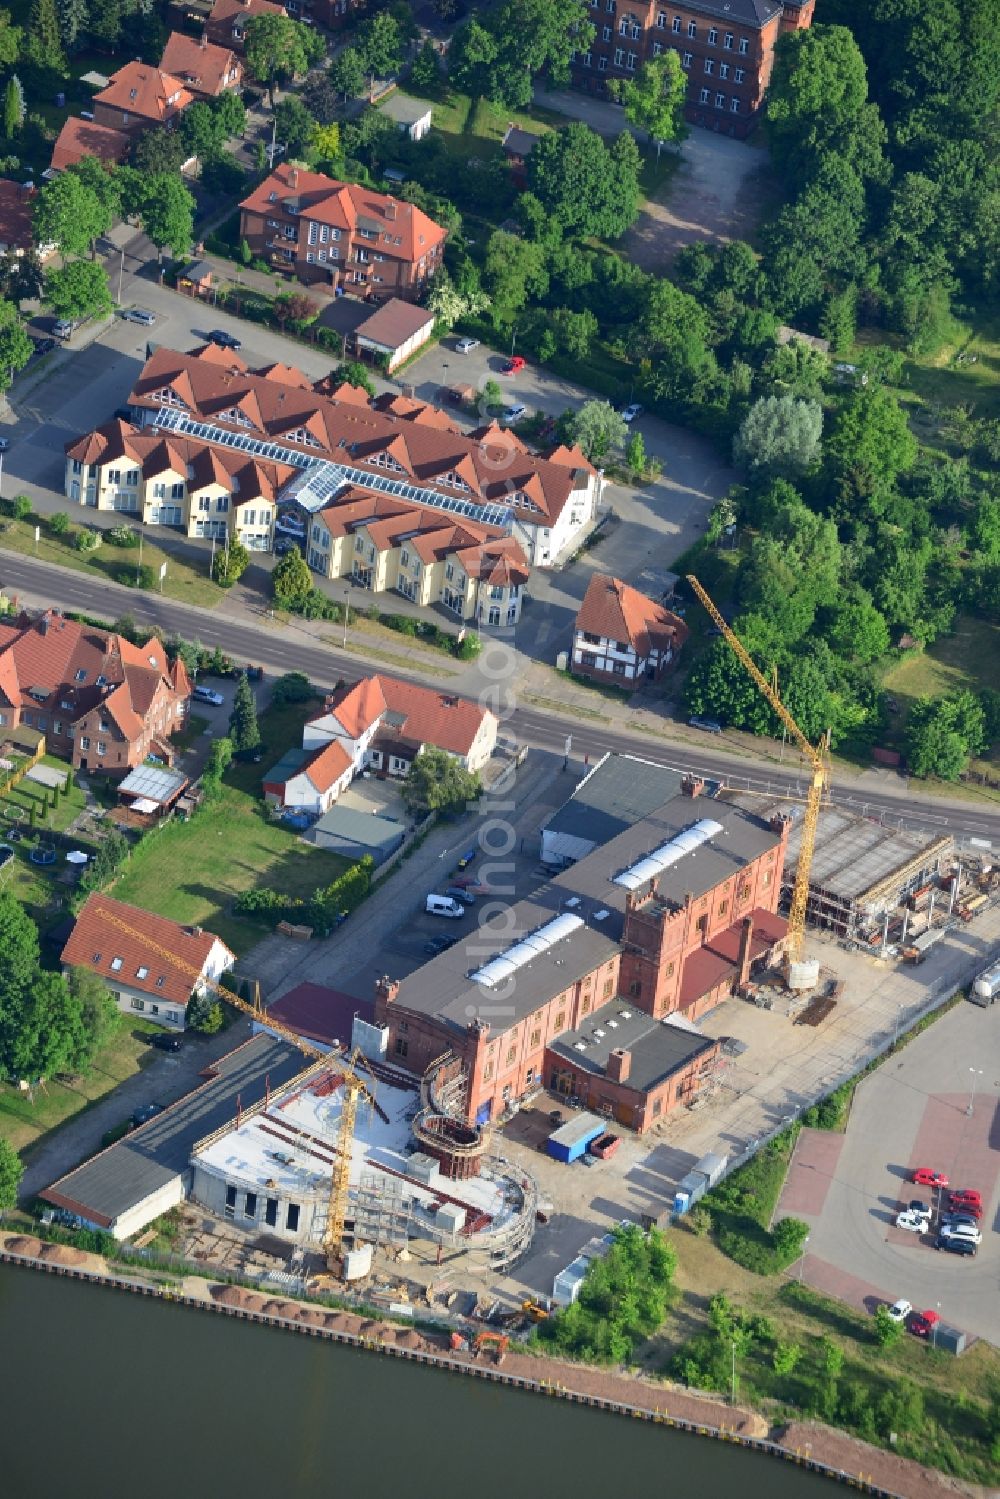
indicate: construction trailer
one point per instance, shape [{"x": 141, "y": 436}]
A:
[
  {"x": 566, "y": 1285},
  {"x": 699, "y": 1180},
  {"x": 569, "y": 1142}
]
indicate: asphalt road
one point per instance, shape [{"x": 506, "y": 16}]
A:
[{"x": 283, "y": 648}]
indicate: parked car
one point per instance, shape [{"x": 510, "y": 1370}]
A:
[
  {"x": 472, "y": 884},
  {"x": 710, "y": 725},
  {"x": 139, "y": 315},
  {"x": 922, "y": 1210},
  {"x": 957, "y": 1244},
  {"x": 462, "y": 893},
  {"x": 225, "y": 340},
  {"x": 914, "y": 1222},
  {"x": 631, "y": 412},
  {"x": 466, "y": 345},
  {"x": 969, "y": 1209},
  {"x": 514, "y": 414},
  {"x": 925, "y": 1177},
  {"x": 145, "y": 1114},
  {"x": 960, "y": 1228},
  {"x": 45, "y": 345},
  {"x": 966, "y": 1197},
  {"x": 900, "y": 1310},
  {"x": 922, "y": 1324},
  {"x": 435, "y": 945},
  {"x": 604, "y": 1146},
  {"x": 443, "y": 905},
  {"x": 291, "y": 525},
  {"x": 283, "y": 544},
  {"x": 63, "y": 328},
  {"x": 298, "y": 821},
  {"x": 514, "y": 366},
  {"x": 208, "y": 695},
  {"x": 167, "y": 1043}
]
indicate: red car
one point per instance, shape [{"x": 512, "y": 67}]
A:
[
  {"x": 963, "y": 1205},
  {"x": 514, "y": 366},
  {"x": 925, "y": 1177},
  {"x": 967, "y": 1197},
  {"x": 922, "y": 1324}
]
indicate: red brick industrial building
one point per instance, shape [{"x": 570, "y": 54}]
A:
[
  {"x": 726, "y": 48},
  {"x": 662, "y": 921}
]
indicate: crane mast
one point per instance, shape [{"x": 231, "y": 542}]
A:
[{"x": 801, "y": 971}]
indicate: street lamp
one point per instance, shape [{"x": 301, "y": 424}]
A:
[
  {"x": 935, "y": 1327},
  {"x": 802, "y": 1260},
  {"x": 347, "y": 611},
  {"x": 895, "y": 1033},
  {"x": 976, "y": 1072},
  {"x": 138, "y": 571}
]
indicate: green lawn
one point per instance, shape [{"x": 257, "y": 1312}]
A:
[
  {"x": 117, "y": 564},
  {"x": 940, "y": 379},
  {"x": 476, "y": 127},
  {"x": 280, "y": 730},
  {"x": 23, "y": 1123},
  {"x": 16, "y": 806},
  {"x": 970, "y": 657}
]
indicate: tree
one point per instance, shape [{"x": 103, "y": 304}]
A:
[
  {"x": 230, "y": 563},
  {"x": 230, "y": 111},
  {"x": 654, "y": 100},
  {"x": 886, "y": 1329},
  {"x": 855, "y": 628},
  {"x": 100, "y": 1016},
  {"x": 818, "y": 90},
  {"x": 106, "y": 186},
  {"x": 437, "y": 782},
  {"x": 278, "y": 48},
  {"x": 934, "y": 745},
  {"x": 325, "y": 142},
  {"x": 534, "y": 36},
  {"x": 353, "y": 372},
  {"x": 347, "y": 73},
  {"x": 291, "y": 580},
  {"x": 514, "y": 269},
  {"x": 322, "y": 99},
  {"x": 16, "y": 348},
  {"x": 20, "y": 277},
  {"x": 11, "y": 1171},
  {"x": 789, "y": 1235},
  {"x": 42, "y": 1032},
  {"x": 785, "y": 1357},
  {"x": 156, "y": 152},
  {"x": 78, "y": 289},
  {"x": 243, "y": 728},
  {"x": 635, "y": 453},
  {"x": 871, "y": 443},
  {"x": 598, "y": 428},
  {"x": 471, "y": 59},
  {"x": 293, "y": 687},
  {"x": 448, "y": 303},
  {"x": 13, "y": 107},
  {"x": 11, "y": 38},
  {"x": 59, "y": 523},
  {"x": 294, "y": 125},
  {"x": 380, "y": 45},
  {"x": 779, "y": 436},
  {"x": 425, "y": 75},
  {"x": 202, "y": 131},
  {"x": 69, "y": 214},
  {"x": 166, "y": 209},
  {"x": 205, "y": 1014},
  {"x": 44, "y": 44},
  {"x": 588, "y": 187}
]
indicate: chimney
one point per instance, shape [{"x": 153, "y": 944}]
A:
[
  {"x": 293, "y": 177},
  {"x": 746, "y": 936},
  {"x": 692, "y": 786},
  {"x": 386, "y": 989},
  {"x": 619, "y": 1065},
  {"x": 390, "y": 209},
  {"x": 778, "y": 822}
]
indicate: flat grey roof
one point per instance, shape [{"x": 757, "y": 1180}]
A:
[
  {"x": 618, "y": 792},
  {"x": 155, "y": 781},
  {"x": 443, "y": 988},
  {"x": 744, "y": 837},
  {"x": 364, "y": 828},
  {"x": 659, "y": 1048},
  {"x": 105, "y": 1187},
  {"x": 404, "y": 109}
]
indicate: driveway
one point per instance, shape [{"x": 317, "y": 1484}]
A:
[
  {"x": 913, "y": 1111},
  {"x": 713, "y": 197}
]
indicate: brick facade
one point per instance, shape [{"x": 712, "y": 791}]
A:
[
  {"x": 727, "y": 51},
  {"x": 612, "y": 1093}
]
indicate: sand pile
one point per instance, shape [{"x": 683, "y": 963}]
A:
[{"x": 24, "y": 1244}]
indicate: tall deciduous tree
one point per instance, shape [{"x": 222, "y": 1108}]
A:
[
  {"x": 437, "y": 782},
  {"x": 598, "y": 428},
  {"x": 243, "y": 727},
  {"x": 69, "y": 214},
  {"x": 278, "y": 48},
  {"x": 588, "y": 187},
  {"x": 78, "y": 289},
  {"x": 654, "y": 100},
  {"x": 425, "y": 75},
  {"x": 100, "y": 1016},
  {"x": 166, "y": 209},
  {"x": 231, "y": 113},
  {"x": 347, "y": 73},
  {"x": 11, "y": 1172},
  {"x": 16, "y": 348},
  {"x": 871, "y": 442},
  {"x": 471, "y": 59},
  {"x": 11, "y": 38},
  {"x": 73, "y": 15},
  {"x": 779, "y": 436},
  {"x": 380, "y": 44}
]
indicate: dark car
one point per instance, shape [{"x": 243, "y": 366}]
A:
[
  {"x": 146, "y": 1113},
  {"x": 957, "y": 1246},
  {"x": 46, "y": 345},
  {"x": 167, "y": 1043},
  {"x": 461, "y": 893},
  {"x": 6, "y": 854},
  {"x": 434, "y": 945},
  {"x": 224, "y": 340}
]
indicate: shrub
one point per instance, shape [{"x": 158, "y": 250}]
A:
[
  {"x": 137, "y": 577},
  {"x": 87, "y": 541},
  {"x": 468, "y": 648},
  {"x": 123, "y": 536},
  {"x": 20, "y": 507},
  {"x": 59, "y": 523},
  {"x": 293, "y": 687}
]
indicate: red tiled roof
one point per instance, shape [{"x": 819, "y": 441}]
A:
[
  {"x": 97, "y": 943},
  {"x": 343, "y": 204},
  {"x": 319, "y": 1013},
  {"x": 202, "y": 66},
  {"x": 16, "y": 200},
  {"x": 357, "y": 708},
  {"x": 327, "y": 765},
  {"x": 718, "y": 960},
  {"x": 425, "y": 716},
  {"x": 224, "y": 11},
  {"x": 612, "y": 609},
  {"x": 145, "y": 92},
  {"x": 80, "y": 138}
]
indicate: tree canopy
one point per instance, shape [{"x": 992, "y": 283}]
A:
[
  {"x": 437, "y": 782},
  {"x": 588, "y": 187}
]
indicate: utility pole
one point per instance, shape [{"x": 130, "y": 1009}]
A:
[
  {"x": 976, "y": 1072},
  {"x": 347, "y": 611},
  {"x": 732, "y": 1395}
]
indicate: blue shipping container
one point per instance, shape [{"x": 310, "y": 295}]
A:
[{"x": 569, "y": 1142}]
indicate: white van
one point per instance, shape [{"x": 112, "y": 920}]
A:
[{"x": 443, "y": 905}]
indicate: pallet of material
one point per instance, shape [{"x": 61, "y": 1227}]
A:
[{"x": 816, "y": 1011}]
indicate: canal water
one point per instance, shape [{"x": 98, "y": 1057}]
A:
[{"x": 104, "y": 1395}]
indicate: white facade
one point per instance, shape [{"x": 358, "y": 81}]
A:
[
  {"x": 616, "y": 659},
  {"x": 545, "y": 545},
  {"x": 134, "y": 1001},
  {"x": 301, "y": 793}
]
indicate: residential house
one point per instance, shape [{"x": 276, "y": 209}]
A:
[
  {"x": 517, "y": 146},
  {"x": 227, "y": 23},
  {"x": 623, "y": 637},
  {"x": 100, "y": 701},
  {"x": 726, "y": 47},
  {"x": 139, "y": 97},
  {"x": 310, "y": 780},
  {"x": 394, "y": 333},
  {"x": 16, "y": 205},
  {"x": 80, "y": 138},
  {"x": 290, "y": 439},
  {"x": 152, "y": 966},
  {"x": 206, "y": 70},
  {"x": 341, "y": 234}
]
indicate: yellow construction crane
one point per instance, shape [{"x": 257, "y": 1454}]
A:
[
  {"x": 800, "y": 972},
  {"x": 355, "y": 1088}
]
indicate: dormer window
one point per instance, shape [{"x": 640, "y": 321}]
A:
[
  {"x": 116, "y": 964},
  {"x": 81, "y": 675},
  {"x": 142, "y": 973},
  {"x": 101, "y": 680},
  {"x": 132, "y": 94}
]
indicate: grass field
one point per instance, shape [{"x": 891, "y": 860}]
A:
[
  {"x": 117, "y": 564},
  {"x": 938, "y": 378},
  {"x": 15, "y": 807},
  {"x": 22, "y": 1122},
  {"x": 476, "y": 127},
  {"x": 192, "y": 871},
  {"x": 970, "y": 657}
]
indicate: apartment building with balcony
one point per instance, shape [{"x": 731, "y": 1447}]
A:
[
  {"x": 341, "y": 234},
  {"x": 726, "y": 48}
]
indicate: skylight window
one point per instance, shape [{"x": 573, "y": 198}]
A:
[
  {"x": 116, "y": 964},
  {"x": 142, "y": 973}
]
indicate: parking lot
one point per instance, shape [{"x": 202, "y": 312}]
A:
[{"x": 912, "y": 1112}]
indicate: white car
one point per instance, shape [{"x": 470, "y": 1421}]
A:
[
  {"x": 466, "y": 345},
  {"x": 915, "y": 1222},
  {"x": 964, "y": 1230},
  {"x": 208, "y": 695},
  {"x": 514, "y": 414},
  {"x": 631, "y": 412},
  {"x": 900, "y": 1310}
]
